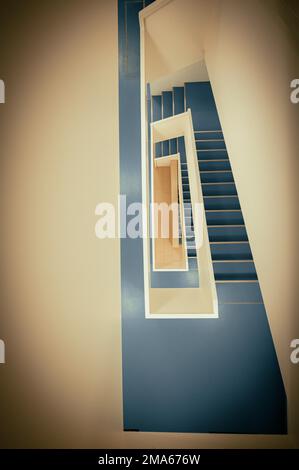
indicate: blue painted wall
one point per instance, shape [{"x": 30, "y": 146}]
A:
[{"x": 185, "y": 375}]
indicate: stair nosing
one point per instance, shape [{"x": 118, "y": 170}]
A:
[
  {"x": 236, "y": 242},
  {"x": 233, "y": 261},
  {"x": 235, "y": 281},
  {"x": 218, "y": 196},
  {"x": 215, "y": 171},
  {"x": 217, "y": 183},
  {"x": 211, "y": 150},
  {"x": 209, "y": 140},
  {"x": 215, "y": 160},
  {"x": 221, "y": 226},
  {"x": 223, "y": 210},
  {"x": 206, "y": 132}
]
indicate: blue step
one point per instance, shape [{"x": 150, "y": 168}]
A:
[
  {"x": 158, "y": 149},
  {"x": 189, "y": 230},
  {"x": 190, "y": 239},
  {"x": 182, "y": 151},
  {"x": 239, "y": 292},
  {"x": 199, "y": 97},
  {"x": 221, "y": 190},
  {"x": 187, "y": 208},
  {"x": 204, "y": 144},
  {"x": 173, "y": 146},
  {"x": 214, "y": 189},
  {"x": 214, "y": 176},
  {"x": 178, "y": 100},
  {"x": 156, "y": 108},
  {"x": 218, "y": 217},
  {"x": 192, "y": 263},
  {"x": 234, "y": 270},
  {"x": 230, "y": 251},
  {"x": 211, "y": 154},
  {"x": 224, "y": 251},
  {"x": 219, "y": 176},
  {"x": 167, "y": 106},
  {"x": 224, "y": 217},
  {"x": 214, "y": 165},
  {"x": 186, "y": 193},
  {"x": 165, "y": 148},
  {"x": 222, "y": 234},
  {"x": 167, "y": 111},
  {"x": 227, "y": 233},
  {"x": 210, "y": 135},
  {"x": 221, "y": 202},
  {"x": 156, "y": 116}
]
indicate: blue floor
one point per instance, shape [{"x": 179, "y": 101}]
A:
[{"x": 218, "y": 376}]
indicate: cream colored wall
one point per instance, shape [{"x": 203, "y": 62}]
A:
[
  {"x": 167, "y": 34},
  {"x": 60, "y": 307},
  {"x": 60, "y": 314}
]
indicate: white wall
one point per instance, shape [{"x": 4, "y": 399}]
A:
[{"x": 170, "y": 40}]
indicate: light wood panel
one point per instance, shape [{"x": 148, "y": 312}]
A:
[{"x": 168, "y": 253}]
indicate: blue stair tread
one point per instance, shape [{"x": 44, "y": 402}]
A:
[
  {"x": 239, "y": 292},
  {"x": 216, "y": 176},
  {"x": 182, "y": 151},
  {"x": 156, "y": 108},
  {"x": 221, "y": 176},
  {"x": 227, "y": 251},
  {"x": 228, "y": 233},
  {"x": 178, "y": 100},
  {"x": 220, "y": 202},
  {"x": 165, "y": 148},
  {"x": 173, "y": 148},
  {"x": 212, "y": 154},
  {"x": 234, "y": 270},
  {"x": 219, "y": 189},
  {"x": 199, "y": 97},
  {"x": 224, "y": 217},
  {"x": 230, "y": 251},
  {"x": 158, "y": 149},
  {"x": 214, "y": 189},
  {"x": 203, "y": 144},
  {"x": 214, "y": 165},
  {"x": 167, "y": 105},
  {"x": 208, "y": 135}
]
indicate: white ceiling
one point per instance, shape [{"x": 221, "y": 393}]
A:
[{"x": 196, "y": 72}]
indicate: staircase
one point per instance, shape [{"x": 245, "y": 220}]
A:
[
  {"x": 234, "y": 269},
  {"x": 187, "y": 375}
]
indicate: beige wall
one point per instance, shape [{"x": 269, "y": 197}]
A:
[
  {"x": 168, "y": 33},
  {"x": 60, "y": 310},
  {"x": 60, "y": 317}
]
